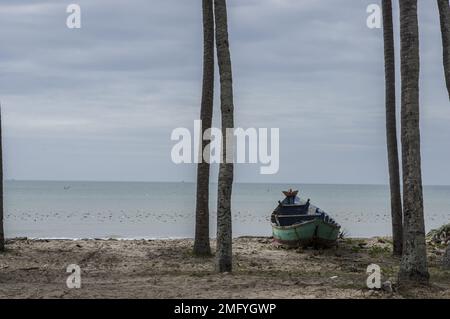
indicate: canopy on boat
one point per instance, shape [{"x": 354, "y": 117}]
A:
[{"x": 293, "y": 210}]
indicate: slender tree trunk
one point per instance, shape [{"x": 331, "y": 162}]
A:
[
  {"x": 444, "y": 13},
  {"x": 391, "y": 129},
  {"x": 2, "y": 234},
  {"x": 201, "y": 243},
  {"x": 224, "y": 231},
  {"x": 446, "y": 258},
  {"x": 413, "y": 266}
]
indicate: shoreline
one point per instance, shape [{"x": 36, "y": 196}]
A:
[
  {"x": 20, "y": 238},
  {"x": 167, "y": 269}
]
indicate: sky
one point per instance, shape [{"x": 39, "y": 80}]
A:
[{"x": 100, "y": 102}]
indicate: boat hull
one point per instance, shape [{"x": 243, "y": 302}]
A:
[{"x": 316, "y": 233}]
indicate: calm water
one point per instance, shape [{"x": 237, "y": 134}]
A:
[{"x": 163, "y": 210}]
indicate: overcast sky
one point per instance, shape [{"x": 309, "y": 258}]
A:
[{"x": 100, "y": 102}]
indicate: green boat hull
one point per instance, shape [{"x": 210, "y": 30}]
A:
[{"x": 311, "y": 233}]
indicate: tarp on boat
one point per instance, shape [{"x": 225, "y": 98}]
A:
[{"x": 294, "y": 210}]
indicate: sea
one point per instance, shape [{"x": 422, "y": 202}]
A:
[{"x": 153, "y": 210}]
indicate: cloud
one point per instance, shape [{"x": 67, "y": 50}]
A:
[{"x": 132, "y": 73}]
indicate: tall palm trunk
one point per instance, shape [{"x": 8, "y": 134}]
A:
[
  {"x": 2, "y": 234},
  {"x": 391, "y": 129},
  {"x": 444, "y": 13},
  {"x": 224, "y": 231},
  {"x": 413, "y": 267},
  {"x": 201, "y": 243},
  {"x": 446, "y": 259}
]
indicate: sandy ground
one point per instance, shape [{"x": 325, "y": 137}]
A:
[{"x": 167, "y": 269}]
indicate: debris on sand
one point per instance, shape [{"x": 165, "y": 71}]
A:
[{"x": 440, "y": 236}]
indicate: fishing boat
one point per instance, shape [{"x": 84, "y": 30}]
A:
[{"x": 296, "y": 222}]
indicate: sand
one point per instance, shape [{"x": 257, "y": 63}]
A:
[{"x": 167, "y": 269}]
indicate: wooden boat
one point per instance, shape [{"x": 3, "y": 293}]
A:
[{"x": 298, "y": 223}]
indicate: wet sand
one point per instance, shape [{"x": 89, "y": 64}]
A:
[{"x": 167, "y": 269}]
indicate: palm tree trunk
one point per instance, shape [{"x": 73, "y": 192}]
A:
[
  {"x": 391, "y": 129},
  {"x": 413, "y": 267},
  {"x": 201, "y": 243},
  {"x": 446, "y": 258},
  {"x": 224, "y": 231},
  {"x": 444, "y": 13},
  {"x": 2, "y": 234}
]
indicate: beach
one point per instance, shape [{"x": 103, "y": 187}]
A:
[{"x": 167, "y": 269}]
